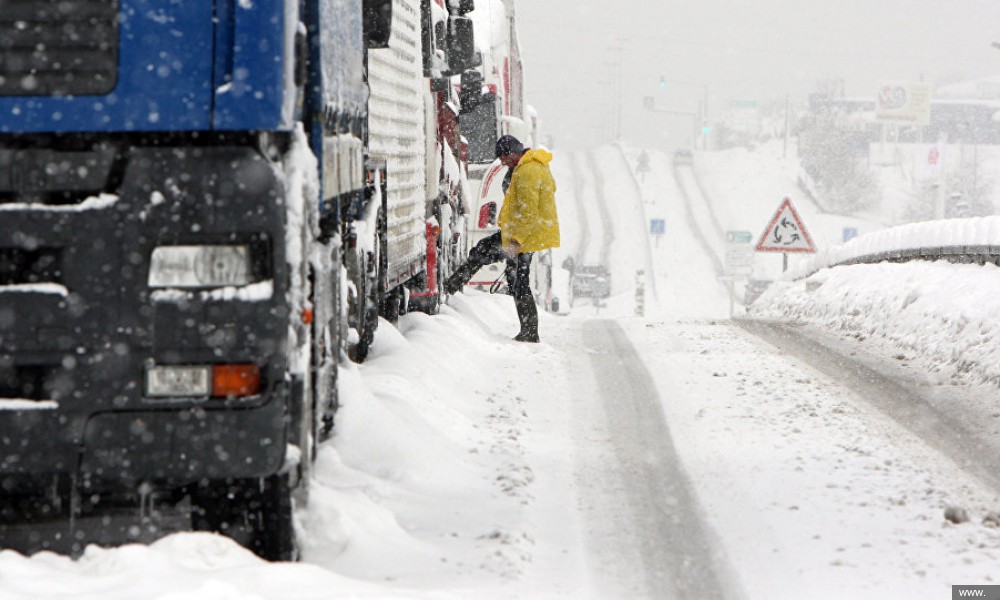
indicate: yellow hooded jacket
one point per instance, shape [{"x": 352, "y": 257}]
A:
[{"x": 528, "y": 214}]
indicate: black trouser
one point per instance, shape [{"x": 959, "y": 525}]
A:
[
  {"x": 517, "y": 270},
  {"x": 489, "y": 250}
]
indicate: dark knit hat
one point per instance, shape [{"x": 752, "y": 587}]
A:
[{"x": 508, "y": 144}]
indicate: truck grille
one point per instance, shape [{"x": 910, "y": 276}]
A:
[
  {"x": 58, "y": 47},
  {"x": 25, "y": 383},
  {"x": 23, "y": 267}
]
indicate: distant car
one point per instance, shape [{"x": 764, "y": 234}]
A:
[
  {"x": 591, "y": 280},
  {"x": 683, "y": 156}
]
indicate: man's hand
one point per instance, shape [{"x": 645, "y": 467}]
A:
[{"x": 512, "y": 248}]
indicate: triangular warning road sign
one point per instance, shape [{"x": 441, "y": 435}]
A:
[{"x": 785, "y": 232}]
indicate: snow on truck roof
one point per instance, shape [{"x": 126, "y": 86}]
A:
[{"x": 489, "y": 22}]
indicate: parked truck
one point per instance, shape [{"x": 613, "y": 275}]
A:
[
  {"x": 187, "y": 191},
  {"x": 415, "y": 138}
]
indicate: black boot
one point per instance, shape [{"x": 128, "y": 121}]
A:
[
  {"x": 527, "y": 314},
  {"x": 459, "y": 278}
]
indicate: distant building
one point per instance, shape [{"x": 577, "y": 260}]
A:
[{"x": 965, "y": 112}]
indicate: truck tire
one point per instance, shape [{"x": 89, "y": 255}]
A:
[
  {"x": 256, "y": 513},
  {"x": 394, "y": 305},
  {"x": 370, "y": 290},
  {"x": 274, "y": 529}
]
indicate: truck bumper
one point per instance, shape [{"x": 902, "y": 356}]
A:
[
  {"x": 185, "y": 445},
  {"x": 180, "y": 445}
]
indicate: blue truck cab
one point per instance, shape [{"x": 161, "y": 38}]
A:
[
  {"x": 147, "y": 66},
  {"x": 163, "y": 330}
]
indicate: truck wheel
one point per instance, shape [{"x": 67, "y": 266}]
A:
[
  {"x": 429, "y": 305},
  {"x": 394, "y": 304},
  {"x": 256, "y": 513},
  {"x": 371, "y": 290},
  {"x": 365, "y": 309},
  {"x": 274, "y": 530}
]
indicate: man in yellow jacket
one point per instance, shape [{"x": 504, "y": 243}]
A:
[{"x": 528, "y": 223}]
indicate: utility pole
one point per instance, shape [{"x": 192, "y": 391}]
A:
[
  {"x": 612, "y": 89},
  {"x": 616, "y": 90},
  {"x": 704, "y": 120},
  {"x": 784, "y": 150}
]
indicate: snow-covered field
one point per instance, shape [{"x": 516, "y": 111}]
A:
[{"x": 466, "y": 465}]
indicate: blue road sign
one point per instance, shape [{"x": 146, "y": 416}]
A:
[{"x": 657, "y": 226}]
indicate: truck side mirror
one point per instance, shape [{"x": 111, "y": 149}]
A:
[
  {"x": 377, "y": 17},
  {"x": 440, "y": 84},
  {"x": 461, "y": 44},
  {"x": 471, "y": 92},
  {"x": 479, "y": 127}
]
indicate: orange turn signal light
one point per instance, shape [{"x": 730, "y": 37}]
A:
[
  {"x": 307, "y": 315},
  {"x": 235, "y": 380}
]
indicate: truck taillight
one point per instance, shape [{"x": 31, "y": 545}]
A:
[
  {"x": 199, "y": 381},
  {"x": 235, "y": 380}
]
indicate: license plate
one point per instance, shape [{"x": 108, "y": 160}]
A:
[{"x": 177, "y": 381}]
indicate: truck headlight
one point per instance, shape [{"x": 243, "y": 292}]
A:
[
  {"x": 178, "y": 381},
  {"x": 200, "y": 266}
]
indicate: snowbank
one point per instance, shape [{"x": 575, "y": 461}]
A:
[{"x": 947, "y": 315}]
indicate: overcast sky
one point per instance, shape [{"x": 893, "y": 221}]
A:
[{"x": 736, "y": 50}]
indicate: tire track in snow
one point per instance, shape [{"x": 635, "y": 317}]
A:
[
  {"x": 600, "y": 200},
  {"x": 947, "y": 432},
  {"x": 640, "y": 211},
  {"x": 579, "y": 189},
  {"x": 658, "y": 508},
  {"x": 699, "y": 233},
  {"x": 693, "y": 223},
  {"x": 709, "y": 205}
]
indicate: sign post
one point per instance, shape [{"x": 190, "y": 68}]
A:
[
  {"x": 739, "y": 253},
  {"x": 657, "y": 227},
  {"x": 739, "y": 261},
  {"x": 786, "y": 233}
]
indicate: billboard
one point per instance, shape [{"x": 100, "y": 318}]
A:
[{"x": 903, "y": 103}]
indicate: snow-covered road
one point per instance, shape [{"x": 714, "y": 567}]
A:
[
  {"x": 654, "y": 518},
  {"x": 674, "y": 455}
]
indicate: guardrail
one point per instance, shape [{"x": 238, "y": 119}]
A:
[
  {"x": 964, "y": 241},
  {"x": 977, "y": 254}
]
